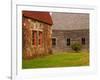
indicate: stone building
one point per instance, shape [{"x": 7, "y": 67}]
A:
[
  {"x": 36, "y": 33},
  {"x": 69, "y": 28}
]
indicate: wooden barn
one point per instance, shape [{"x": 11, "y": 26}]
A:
[
  {"x": 36, "y": 34},
  {"x": 70, "y": 28}
]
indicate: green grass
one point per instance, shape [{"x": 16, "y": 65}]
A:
[{"x": 63, "y": 59}]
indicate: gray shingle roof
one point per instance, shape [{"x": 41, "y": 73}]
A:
[{"x": 70, "y": 21}]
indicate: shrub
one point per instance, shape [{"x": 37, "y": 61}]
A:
[{"x": 76, "y": 47}]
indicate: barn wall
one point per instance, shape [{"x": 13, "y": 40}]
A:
[{"x": 74, "y": 35}]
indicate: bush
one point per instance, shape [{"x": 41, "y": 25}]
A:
[{"x": 76, "y": 47}]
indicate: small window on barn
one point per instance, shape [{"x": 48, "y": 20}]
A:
[
  {"x": 68, "y": 41},
  {"x": 40, "y": 38},
  {"x": 53, "y": 42},
  {"x": 34, "y": 35},
  {"x": 83, "y": 41}
]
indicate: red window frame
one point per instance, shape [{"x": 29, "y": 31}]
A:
[
  {"x": 40, "y": 38},
  {"x": 37, "y": 38},
  {"x": 34, "y": 34}
]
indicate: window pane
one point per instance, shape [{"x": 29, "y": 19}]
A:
[
  {"x": 34, "y": 38},
  {"x": 68, "y": 41},
  {"x": 40, "y": 38},
  {"x": 83, "y": 41},
  {"x": 53, "y": 42}
]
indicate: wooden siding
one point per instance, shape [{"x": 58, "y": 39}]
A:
[{"x": 74, "y": 36}]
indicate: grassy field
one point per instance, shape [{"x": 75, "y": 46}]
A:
[{"x": 62, "y": 59}]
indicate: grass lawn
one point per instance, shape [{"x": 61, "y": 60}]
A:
[{"x": 63, "y": 59}]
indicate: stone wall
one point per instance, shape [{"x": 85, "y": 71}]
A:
[{"x": 29, "y": 50}]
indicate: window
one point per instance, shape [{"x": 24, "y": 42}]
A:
[
  {"x": 83, "y": 41},
  {"x": 40, "y": 38},
  {"x": 34, "y": 35},
  {"x": 68, "y": 41},
  {"x": 37, "y": 38},
  {"x": 53, "y": 42}
]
